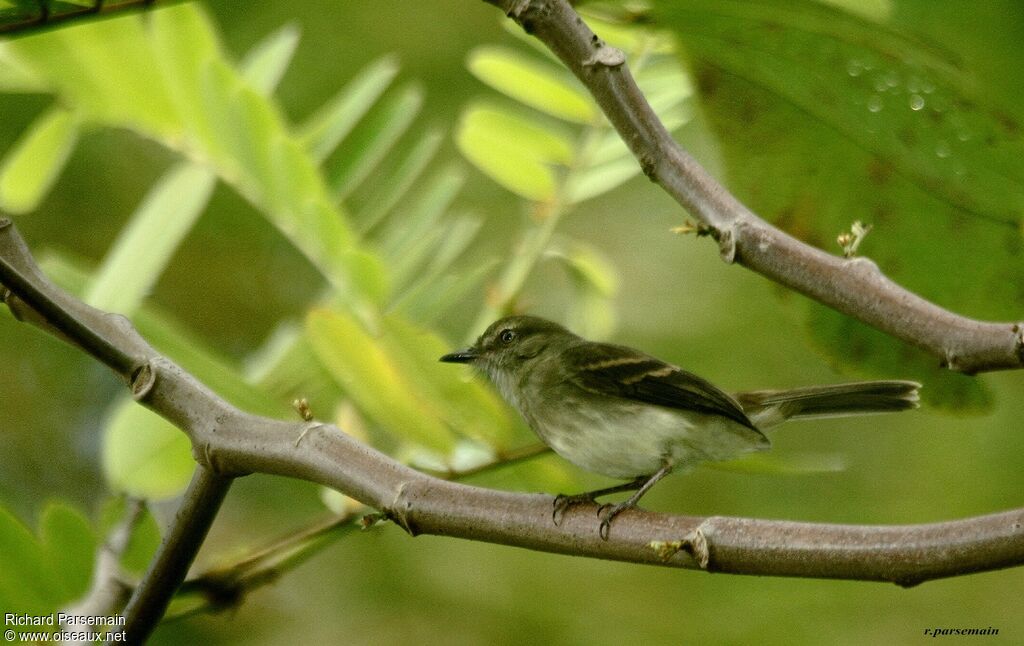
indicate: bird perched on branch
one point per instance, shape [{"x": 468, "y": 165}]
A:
[{"x": 624, "y": 414}]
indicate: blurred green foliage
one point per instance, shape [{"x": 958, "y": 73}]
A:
[
  {"x": 42, "y": 572},
  {"x": 862, "y": 119},
  {"x": 286, "y": 238}
]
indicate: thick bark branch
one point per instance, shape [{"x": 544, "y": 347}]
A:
[
  {"x": 229, "y": 442},
  {"x": 855, "y": 287}
]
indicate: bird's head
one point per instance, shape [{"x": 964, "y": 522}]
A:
[{"x": 511, "y": 342}]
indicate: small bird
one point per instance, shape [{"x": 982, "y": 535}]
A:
[{"x": 624, "y": 414}]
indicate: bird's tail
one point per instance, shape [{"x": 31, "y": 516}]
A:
[{"x": 769, "y": 407}]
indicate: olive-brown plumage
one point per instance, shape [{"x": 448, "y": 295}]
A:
[{"x": 622, "y": 413}]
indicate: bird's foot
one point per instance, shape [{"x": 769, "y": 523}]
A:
[
  {"x": 608, "y": 512},
  {"x": 563, "y": 502}
]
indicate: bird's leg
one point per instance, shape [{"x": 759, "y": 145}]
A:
[
  {"x": 563, "y": 502},
  {"x": 608, "y": 512}
]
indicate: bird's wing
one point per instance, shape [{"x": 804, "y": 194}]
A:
[{"x": 624, "y": 372}]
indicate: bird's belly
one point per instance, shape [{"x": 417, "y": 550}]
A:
[{"x": 631, "y": 440}]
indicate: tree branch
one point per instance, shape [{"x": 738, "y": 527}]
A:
[
  {"x": 500, "y": 461},
  {"x": 855, "y": 287},
  {"x": 229, "y": 442},
  {"x": 199, "y": 507}
]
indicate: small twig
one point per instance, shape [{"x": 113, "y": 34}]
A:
[
  {"x": 500, "y": 461},
  {"x": 227, "y": 586}
]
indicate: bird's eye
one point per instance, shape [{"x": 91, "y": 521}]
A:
[{"x": 507, "y": 336}]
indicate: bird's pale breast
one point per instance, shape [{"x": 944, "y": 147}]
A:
[{"x": 626, "y": 439}]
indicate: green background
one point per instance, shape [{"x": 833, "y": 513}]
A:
[{"x": 235, "y": 277}]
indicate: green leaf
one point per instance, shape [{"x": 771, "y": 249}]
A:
[
  {"x": 666, "y": 85},
  {"x": 142, "y": 545},
  {"x": 145, "y": 246},
  {"x": 826, "y": 118},
  {"x": 393, "y": 188},
  {"x": 144, "y": 455},
  {"x": 145, "y": 536},
  {"x": 913, "y": 106},
  {"x": 371, "y": 141},
  {"x": 115, "y": 73},
  {"x": 457, "y": 238},
  {"x": 167, "y": 78},
  {"x": 590, "y": 182},
  {"x": 596, "y": 282},
  {"x": 409, "y": 240},
  {"x": 623, "y": 32},
  {"x": 533, "y": 82},
  {"x": 607, "y": 147},
  {"x": 69, "y": 544},
  {"x": 588, "y": 267},
  {"x": 14, "y": 78},
  {"x": 27, "y": 582},
  {"x": 265, "y": 64},
  {"x": 426, "y": 302},
  {"x": 32, "y": 166},
  {"x": 37, "y": 576},
  {"x": 286, "y": 368},
  {"x": 183, "y": 45},
  {"x": 518, "y": 153},
  {"x": 332, "y": 123},
  {"x": 375, "y": 380}
]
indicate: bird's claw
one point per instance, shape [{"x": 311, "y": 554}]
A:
[
  {"x": 563, "y": 502},
  {"x": 607, "y": 514}
]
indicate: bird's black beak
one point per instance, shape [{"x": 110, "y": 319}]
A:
[{"x": 465, "y": 355}]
